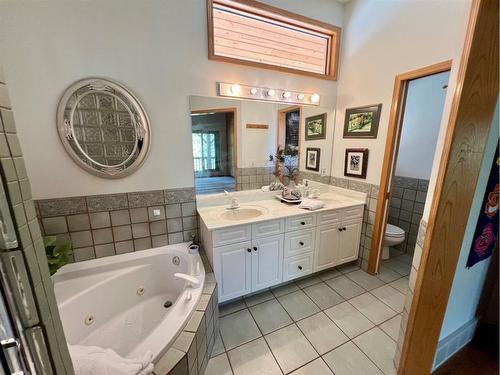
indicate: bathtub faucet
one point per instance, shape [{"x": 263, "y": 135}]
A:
[{"x": 193, "y": 281}]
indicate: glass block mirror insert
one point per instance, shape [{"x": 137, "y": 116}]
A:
[{"x": 103, "y": 127}]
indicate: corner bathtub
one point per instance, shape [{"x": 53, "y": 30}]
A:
[{"x": 118, "y": 302}]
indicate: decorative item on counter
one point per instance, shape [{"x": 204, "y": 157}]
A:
[
  {"x": 362, "y": 122},
  {"x": 311, "y": 204},
  {"x": 285, "y": 163},
  {"x": 290, "y": 195},
  {"x": 276, "y": 185},
  {"x": 356, "y": 162}
]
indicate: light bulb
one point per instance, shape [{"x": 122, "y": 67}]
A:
[
  {"x": 300, "y": 96},
  {"x": 235, "y": 89},
  {"x": 271, "y": 92},
  {"x": 314, "y": 98},
  {"x": 253, "y": 91},
  {"x": 286, "y": 95}
]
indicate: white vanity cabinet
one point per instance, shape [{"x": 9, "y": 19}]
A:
[{"x": 251, "y": 257}]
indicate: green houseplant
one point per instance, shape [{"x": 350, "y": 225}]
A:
[{"x": 58, "y": 253}]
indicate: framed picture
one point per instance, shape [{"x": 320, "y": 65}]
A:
[
  {"x": 356, "y": 162},
  {"x": 316, "y": 127},
  {"x": 312, "y": 158},
  {"x": 362, "y": 122}
]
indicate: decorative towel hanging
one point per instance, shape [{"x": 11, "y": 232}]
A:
[{"x": 486, "y": 233}]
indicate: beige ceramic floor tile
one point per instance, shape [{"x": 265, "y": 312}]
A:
[
  {"x": 238, "y": 328},
  {"x": 322, "y": 333},
  {"x": 371, "y": 307},
  {"x": 316, "y": 367},
  {"x": 253, "y": 358},
  {"x": 298, "y": 305},
  {"x": 323, "y": 296},
  {"x": 379, "y": 347},
  {"x": 349, "y": 360},
  {"x": 364, "y": 279},
  {"x": 391, "y": 297},
  {"x": 270, "y": 316},
  {"x": 290, "y": 348},
  {"x": 345, "y": 287},
  {"x": 392, "y": 327},
  {"x": 219, "y": 366},
  {"x": 349, "y": 319}
]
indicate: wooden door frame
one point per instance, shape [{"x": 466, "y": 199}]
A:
[
  {"x": 234, "y": 111},
  {"x": 396, "y": 116},
  {"x": 469, "y": 124},
  {"x": 281, "y": 133}
]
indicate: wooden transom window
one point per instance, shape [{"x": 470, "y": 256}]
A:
[{"x": 251, "y": 33}]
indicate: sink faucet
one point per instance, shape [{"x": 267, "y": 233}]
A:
[{"x": 233, "y": 202}]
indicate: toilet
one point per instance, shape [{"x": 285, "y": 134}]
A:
[{"x": 394, "y": 235}]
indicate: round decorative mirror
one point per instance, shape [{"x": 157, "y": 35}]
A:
[{"x": 103, "y": 127}]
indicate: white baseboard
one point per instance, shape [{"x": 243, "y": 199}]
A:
[{"x": 454, "y": 342}]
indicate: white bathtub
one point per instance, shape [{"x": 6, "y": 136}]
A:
[{"x": 118, "y": 302}]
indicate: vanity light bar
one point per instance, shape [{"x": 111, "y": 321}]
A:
[{"x": 235, "y": 90}]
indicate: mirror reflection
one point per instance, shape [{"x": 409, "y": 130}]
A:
[{"x": 244, "y": 144}]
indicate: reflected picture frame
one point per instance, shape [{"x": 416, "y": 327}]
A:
[
  {"x": 315, "y": 127},
  {"x": 362, "y": 122},
  {"x": 313, "y": 155},
  {"x": 356, "y": 162}
]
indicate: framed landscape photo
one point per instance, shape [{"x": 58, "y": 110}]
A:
[
  {"x": 356, "y": 162},
  {"x": 312, "y": 158},
  {"x": 316, "y": 127},
  {"x": 362, "y": 122}
]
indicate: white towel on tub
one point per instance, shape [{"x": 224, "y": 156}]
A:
[{"x": 93, "y": 360}]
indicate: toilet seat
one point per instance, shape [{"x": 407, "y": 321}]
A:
[{"x": 394, "y": 231}]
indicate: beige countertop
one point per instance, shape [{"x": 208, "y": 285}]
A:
[{"x": 267, "y": 207}]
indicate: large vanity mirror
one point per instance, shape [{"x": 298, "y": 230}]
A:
[
  {"x": 103, "y": 127},
  {"x": 236, "y": 143}
]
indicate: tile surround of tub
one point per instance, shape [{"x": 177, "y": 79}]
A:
[
  {"x": 41, "y": 323},
  {"x": 104, "y": 225},
  {"x": 190, "y": 352},
  {"x": 406, "y": 207}
]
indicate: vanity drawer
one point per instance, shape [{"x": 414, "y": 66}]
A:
[
  {"x": 231, "y": 235},
  {"x": 300, "y": 222},
  {"x": 299, "y": 242},
  {"x": 267, "y": 228},
  {"x": 352, "y": 212},
  {"x": 297, "y": 266},
  {"x": 329, "y": 217}
]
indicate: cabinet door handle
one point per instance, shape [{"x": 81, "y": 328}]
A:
[
  {"x": 300, "y": 267},
  {"x": 302, "y": 223},
  {"x": 344, "y": 228},
  {"x": 249, "y": 250},
  {"x": 301, "y": 243},
  {"x": 255, "y": 248},
  {"x": 340, "y": 229}
]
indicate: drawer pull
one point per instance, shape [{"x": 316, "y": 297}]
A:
[
  {"x": 301, "y": 243},
  {"x": 300, "y": 267},
  {"x": 302, "y": 223},
  {"x": 255, "y": 248},
  {"x": 249, "y": 250},
  {"x": 340, "y": 229}
]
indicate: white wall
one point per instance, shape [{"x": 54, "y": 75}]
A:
[
  {"x": 325, "y": 145},
  {"x": 468, "y": 283},
  {"x": 382, "y": 39},
  {"x": 421, "y": 122},
  {"x": 157, "y": 48}
]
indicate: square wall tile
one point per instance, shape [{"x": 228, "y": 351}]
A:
[
  {"x": 142, "y": 244},
  {"x": 140, "y": 230},
  {"x": 54, "y": 225},
  {"x": 102, "y": 236},
  {"x": 100, "y": 220},
  {"x": 120, "y": 217},
  {"x": 174, "y": 225},
  {"x": 78, "y": 222},
  {"x": 189, "y": 209},
  {"x": 139, "y": 215},
  {"x": 124, "y": 247},
  {"x": 158, "y": 227},
  {"x": 122, "y": 233},
  {"x": 104, "y": 250},
  {"x": 81, "y": 239},
  {"x": 173, "y": 210},
  {"x": 83, "y": 253}
]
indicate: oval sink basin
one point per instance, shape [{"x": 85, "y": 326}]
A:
[{"x": 241, "y": 214}]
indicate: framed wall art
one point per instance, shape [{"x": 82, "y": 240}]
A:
[
  {"x": 362, "y": 122},
  {"x": 315, "y": 127},
  {"x": 356, "y": 162},
  {"x": 312, "y": 158}
]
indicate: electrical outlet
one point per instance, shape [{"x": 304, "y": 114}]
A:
[{"x": 156, "y": 212}]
